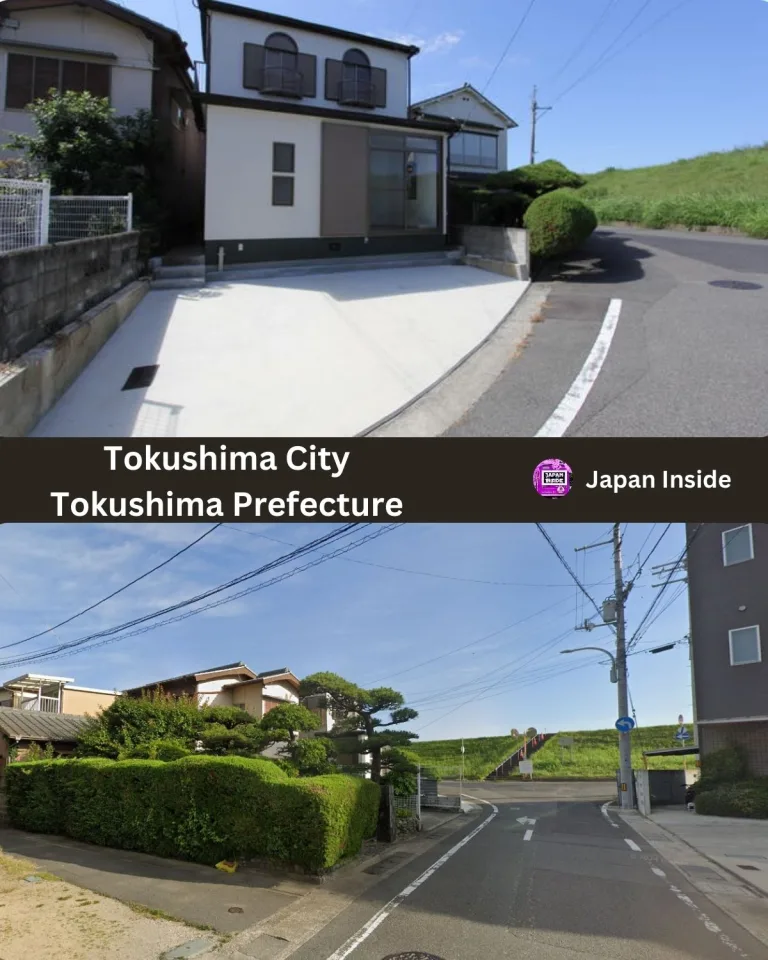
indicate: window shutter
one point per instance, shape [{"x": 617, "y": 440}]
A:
[
  {"x": 308, "y": 71},
  {"x": 379, "y": 80},
  {"x": 332, "y": 79},
  {"x": 18, "y": 92},
  {"x": 73, "y": 76},
  {"x": 46, "y": 76},
  {"x": 98, "y": 79},
  {"x": 253, "y": 66}
]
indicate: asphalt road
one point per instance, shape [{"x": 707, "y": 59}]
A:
[
  {"x": 565, "y": 887},
  {"x": 687, "y": 359}
]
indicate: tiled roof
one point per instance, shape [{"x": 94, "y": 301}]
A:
[
  {"x": 35, "y": 725},
  {"x": 273, "y": 673},
  {"x": 235, "y": 667}
]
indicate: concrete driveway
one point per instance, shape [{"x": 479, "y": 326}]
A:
[{"x": 318, "y": 355}]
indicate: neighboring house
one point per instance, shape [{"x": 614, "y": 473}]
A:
[
  {"x": 110, "y": 51},
  {"x": 310, "y": 147},
  {"x": 231, "y": 685},
  {"x": 727, "y": 576},
  {"x": 480, "y": 148},
  {"x": 38, "y": 693}
]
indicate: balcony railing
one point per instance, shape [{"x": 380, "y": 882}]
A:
[
  {"x": 42, "y": 705},
  {"x": 357, "y": 92},
  {"x": 285, "y": 81}
]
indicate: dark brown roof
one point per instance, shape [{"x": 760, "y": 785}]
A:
[
  {"x": 44, "y": 727},
  {"x": 151, "y": 28},
  {"x": 196, "y": 675},
  {"x": 236, "y": 10}
]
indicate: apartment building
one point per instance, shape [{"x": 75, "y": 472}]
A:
[{"x": 39, "y": 693}]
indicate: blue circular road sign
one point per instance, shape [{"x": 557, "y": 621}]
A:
[{"x": 624, "y": 724}]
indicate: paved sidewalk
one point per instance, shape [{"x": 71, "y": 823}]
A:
[{"x": 327, "y": 355}]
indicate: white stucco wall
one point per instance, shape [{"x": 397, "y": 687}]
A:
[
  {"x": 460, "y": 106},
  {"x": 80, "y": 28},
  {"x": 282, "y": 691},
  {"x": 238, "y": 183},
  {"x": 229, "y": 33}
]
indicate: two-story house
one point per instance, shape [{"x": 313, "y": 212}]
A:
[
  {"x": 480, "y": 147},
  {"x": 39, "y": 693},
  {"x": 310, "y": 147},
  {"x": 230, "y": 685},
  {"x": 727, "y": 577},
  {"x": 110, "y": 51}
]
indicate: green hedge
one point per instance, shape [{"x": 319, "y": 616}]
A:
[
  {"x": 558, "y": 223},
  {"x": 746, "y": 799},
  {"x": 204, "y": 809},
  {"x": 536, "y": 179}
]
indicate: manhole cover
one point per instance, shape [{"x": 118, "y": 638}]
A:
[
  {"x": 735, "y": 285},
  {"x": 235, "y": 910},
  {"x": 412, "y": 956}
]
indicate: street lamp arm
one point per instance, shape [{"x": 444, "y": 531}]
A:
[{"x": 601, "y": 649}]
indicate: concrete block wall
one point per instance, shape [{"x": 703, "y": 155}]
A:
[
  {"x": 42, "y": 289},
  {"x": 752, "y": 736},
  {"x": 508, "y": 244}
]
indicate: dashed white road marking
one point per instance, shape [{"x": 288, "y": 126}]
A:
[
  {"x": 632, "y": 845},
  {"x": 604, "y": 811},
  {"x": 378, "y": 918},
  {"x": 659, "y": 873},
  {"x": 573, "y": 401},
  {"x": 708, "y": 923},
  {"x": 528, "y": 834}
]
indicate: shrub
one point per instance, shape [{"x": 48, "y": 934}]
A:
[
  {"x": 166, "y": 750},
  {"x": 204, "y": 809},
  {"x": 726, "y": 766},
  {"x": 536, "y": 179},
  {"x": 557, "y": 223},
  {"x": 746, "y": 799}
]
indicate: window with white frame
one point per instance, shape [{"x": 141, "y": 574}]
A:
[
  {"x": 744, "y": 644},
  {"x": 738, "y": 545}
]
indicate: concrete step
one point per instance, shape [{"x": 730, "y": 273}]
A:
[
  {"x": 193, "y": 270},
  {"x": 299, "y": 268},
  {"x": 177, "y": 283}
]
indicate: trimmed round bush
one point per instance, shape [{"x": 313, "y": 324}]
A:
[
  {"x": 536, "y": 179},
  {"x": 558, "y": 223}
]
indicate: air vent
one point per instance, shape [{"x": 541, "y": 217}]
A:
[{"x": 140, "y": 378}]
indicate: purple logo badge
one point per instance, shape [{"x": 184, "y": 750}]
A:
[{"x": 552, "y": 478}]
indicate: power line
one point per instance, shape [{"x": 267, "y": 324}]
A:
[
  {"x": 339, "y": 533},
  {"x": 114, "y": 593},
  {"x": 651, "y": 552},
  {"x": 564, "y": 562},
  {"x": 583, "y": 43}
]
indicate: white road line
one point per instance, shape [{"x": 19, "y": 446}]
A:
[
  {"x": 378, "y": 918},
  {"x": 573, "y": 401},
  {"x": 709, "y": 924},
  {"x": 659, "y": 873},
  {"x": 528, "y": 834},
  {"x": 604, "y": 811},
  {"x": 632, "y": 845}
]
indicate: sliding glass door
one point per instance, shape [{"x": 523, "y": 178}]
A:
[{"x": 404, "y": 183}]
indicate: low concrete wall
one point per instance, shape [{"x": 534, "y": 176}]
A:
[
  {"x": 31, "y": 385},
  {"x": 42, "y": 289},
  {"x": 506, "y": 247}
]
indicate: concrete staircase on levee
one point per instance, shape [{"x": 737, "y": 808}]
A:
[
  {"x": 509, "y": 765},
  {"x": 185, "y": 271}
]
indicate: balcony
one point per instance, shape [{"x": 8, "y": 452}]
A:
[
  {"x": 357, "y": 92},
  {"x": 42, "y": 705},
  {"x": 281, "y": 81}
]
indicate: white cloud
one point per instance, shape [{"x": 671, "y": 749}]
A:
[{"x": 440, "y": 43}]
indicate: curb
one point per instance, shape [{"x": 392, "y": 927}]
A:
[{"x": 673, "y": 836}]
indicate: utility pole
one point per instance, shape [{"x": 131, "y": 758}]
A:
[
  {"x": 625, "y": 736},
  {"x": 536, "y": 112}
]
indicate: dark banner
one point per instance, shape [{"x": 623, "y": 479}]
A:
[{"x": 472, "y": 480}]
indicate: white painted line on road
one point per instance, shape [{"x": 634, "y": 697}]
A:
[
  {"x": 528, "y": 834},
  {"x": 604, "y": 811},
  {"x": 632, "y": 845},
  {"x": 378, "y": 918},
  {"x": 659, "y": 873},
  {"x": 573, "y": 401},
  {"x": 709, "y": 924}
]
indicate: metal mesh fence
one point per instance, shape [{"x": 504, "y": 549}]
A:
[
  {"x": 23, "y": 214},
  {"x": 76, "y": 218},
  {"x": 408, "y": 805}
]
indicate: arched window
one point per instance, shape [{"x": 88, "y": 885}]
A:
[
  {"x": 281, "y": 63},
  {"x": 356, "y": 85}
]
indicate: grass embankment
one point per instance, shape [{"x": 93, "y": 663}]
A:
[
  {"x": 595, "y": 754},
  {"x": 715, "y": 190},
  {"x": 442, "y": 758}
]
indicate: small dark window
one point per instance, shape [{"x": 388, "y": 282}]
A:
[
  {"x": 18, "y": 92},
  {"x": 46, "y": 76},
  {"x": 73, "y": 76},
  {"x": 97, "y": 79},
  {"x": 282, "y": 191},
  {"x": 283, "y": 158}
]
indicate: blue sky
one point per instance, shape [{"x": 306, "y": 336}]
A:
[
  {"x": 375, "y": 615},
  {"x": 689, "y": 85}
]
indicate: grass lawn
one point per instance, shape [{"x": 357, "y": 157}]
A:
[
  {"x": 717, "y": 189},
  {"x": 442, "y": 758},
  {"x": 596, "y": 753}
]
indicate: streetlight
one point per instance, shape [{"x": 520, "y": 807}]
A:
[{"x": 614, "y": 674}]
